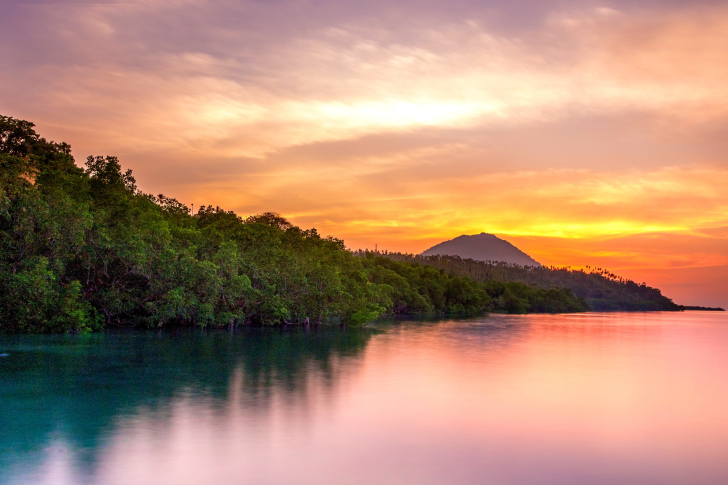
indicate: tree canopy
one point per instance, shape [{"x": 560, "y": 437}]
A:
[{"x": 600, "y": 289}]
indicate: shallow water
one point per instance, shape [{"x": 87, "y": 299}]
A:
[{"x": 637, "y": 398}]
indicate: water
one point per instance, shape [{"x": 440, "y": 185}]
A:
[{"x": 542, "y": 399}]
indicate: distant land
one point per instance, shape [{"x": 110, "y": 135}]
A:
[
  {"x": 482, "y": 247},
  {"x": 492, "y": 250}
]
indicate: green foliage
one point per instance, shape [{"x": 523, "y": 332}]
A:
[
  {"x": 597, "y": 289},
  {"x": 367, "y": 314},
  {"x": 413, "y": 287},
  {"x": 34, "y": 299},
  {"x": 515, "y": 297}
]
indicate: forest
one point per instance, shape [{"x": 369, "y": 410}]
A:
[
  {"x": 599, "y": 288},
  {"x": 83, "y": 249}
]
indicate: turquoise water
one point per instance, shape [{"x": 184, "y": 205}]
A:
[{"x": 539, "y": 399}]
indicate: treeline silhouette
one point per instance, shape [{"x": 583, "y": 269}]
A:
[
  {"x": 83, "y": 249},
  {"x": 600, "y": 289}
]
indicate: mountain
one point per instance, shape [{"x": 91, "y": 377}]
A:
[{"x": 482, "y": 247}]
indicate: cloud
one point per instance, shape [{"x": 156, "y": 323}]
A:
[
  {"x": 367, "y": 203},
  {"x": 347, "y": 80}
]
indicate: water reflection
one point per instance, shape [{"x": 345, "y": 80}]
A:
[
  {"x": 62, "y": 396},
  {"x": 540, "y": 399}
]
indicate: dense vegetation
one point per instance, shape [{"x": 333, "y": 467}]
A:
[
  {"x": 417, "y": 287},
  {"x": 599, "y": 288},
  {"x": 81, "y": 249}
]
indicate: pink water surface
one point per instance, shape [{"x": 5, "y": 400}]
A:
[{"x": 623, "y": 398}]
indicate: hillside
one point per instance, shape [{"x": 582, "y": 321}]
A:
[
  {"x": 600, "y": 289},
  {"x": 482, "y": 247}
]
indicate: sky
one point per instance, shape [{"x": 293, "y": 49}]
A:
[{"x": 585, "y": 133}]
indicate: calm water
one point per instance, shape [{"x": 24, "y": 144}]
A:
[{"x": 579, "y": 399}]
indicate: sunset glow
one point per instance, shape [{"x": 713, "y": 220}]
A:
[{"x": 585, "y": 134}]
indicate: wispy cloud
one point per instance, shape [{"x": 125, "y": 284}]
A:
[{"x": 345, "y": 81}]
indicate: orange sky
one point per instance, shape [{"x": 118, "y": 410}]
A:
[{"x": 584, "y": 133}]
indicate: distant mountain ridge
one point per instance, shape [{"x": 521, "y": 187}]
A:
[{"x": 482, "y": 247}]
